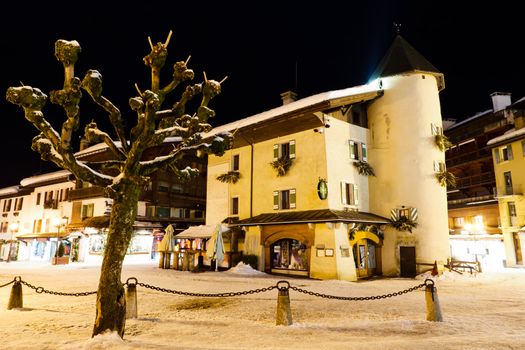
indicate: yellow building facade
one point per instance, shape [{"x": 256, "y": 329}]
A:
[
  {"x": 508, "y": 153},
  {"x": 313, "y": 186}
]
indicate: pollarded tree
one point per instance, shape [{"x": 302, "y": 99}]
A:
[{"x": 127, "y": 173}]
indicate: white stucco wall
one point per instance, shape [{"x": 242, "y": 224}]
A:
[{"x": 402, "y": 152}]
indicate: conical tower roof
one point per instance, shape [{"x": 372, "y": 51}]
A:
[{"x": 401, "y": 57}]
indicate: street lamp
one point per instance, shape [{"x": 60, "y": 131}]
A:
[{"x": 13, "y": 227}]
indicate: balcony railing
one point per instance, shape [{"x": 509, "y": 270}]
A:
[
  {"x": 475, "y": 180},
  {"x": 88, "y": 192},
  {"x": 457, "y": 158},
  {"x": 515, "y": 190}
]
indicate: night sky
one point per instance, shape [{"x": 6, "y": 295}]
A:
[{"x": 264, "y": 47}]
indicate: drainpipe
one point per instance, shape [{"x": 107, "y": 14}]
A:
[{"x": 251, "y": 173}]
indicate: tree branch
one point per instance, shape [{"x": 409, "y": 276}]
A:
[
  {"x": 94, "y": 135},
  {"x": 92, "y": 83}
]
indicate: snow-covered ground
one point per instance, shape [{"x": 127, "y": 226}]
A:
[{"x": 484, "y": 311}]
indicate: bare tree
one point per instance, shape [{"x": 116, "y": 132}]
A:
[{"x": 126, "y": 174}]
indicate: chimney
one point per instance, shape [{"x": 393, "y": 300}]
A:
[
  {"x": 500, "y": 100},
  {"x": 288, "y": 97}
]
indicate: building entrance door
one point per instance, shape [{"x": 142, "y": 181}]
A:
[
  {"x": 517, "y": 248},
  {"x": 407, "y": 261},
  {"x": 365, "y": 257}
]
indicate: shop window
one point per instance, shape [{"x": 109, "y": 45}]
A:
[
  {"x": 285, "y": 199},
  {"x": 289, "y": 254}
]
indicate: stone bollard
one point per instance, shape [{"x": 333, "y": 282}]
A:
[
  {"x": 16, "y": 299},
  {"x": 167, "y": 260},
  {"x": 131, "y": 298},
  {"x": 161, "y": 260},
  {"x": 432, "y": 301},
  {"x": 284, "y": 312}
]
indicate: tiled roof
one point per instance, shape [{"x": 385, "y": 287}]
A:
[{"x": 310, "y": 216}]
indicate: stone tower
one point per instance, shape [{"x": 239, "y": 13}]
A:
[{"x": 402, "y": 150}]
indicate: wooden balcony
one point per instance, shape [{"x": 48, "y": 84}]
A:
[
  {"x": 460, "y": 158},
  {"x": 85, "y": 193},
  {"x": 483, "y": 179}
]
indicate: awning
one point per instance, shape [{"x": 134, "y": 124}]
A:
[
  {"x": 42, "y": 235},
  {"x": 313, "y": 216},
  {"x": 201, "y": 231}
]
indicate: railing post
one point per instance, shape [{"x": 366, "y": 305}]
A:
[
  {"x": 284, "y": 312},
  {"x": 161, "y": 260},
  {"x": 131, "y": 298},
  {"x": 432, "y": 302},
  {"x": 16, "y": 299}
]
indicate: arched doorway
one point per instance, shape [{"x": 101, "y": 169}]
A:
[
  {"x": 366, "y": 247},
  {"x": 289, "y": 256}
]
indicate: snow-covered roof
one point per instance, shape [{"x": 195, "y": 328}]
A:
[
  {"x": 294, "y": 106},
  {"x": 28, "y": 181},
  {"x": 512, "y": 133},
  {"x": 469, "y": 119},
  {"x": 9, "y": 190},
  {"x": 99, "y": 147},
  {"x": 201, "y": 231}
]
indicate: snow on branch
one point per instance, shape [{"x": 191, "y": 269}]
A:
[{"x": 94, "y": 135}]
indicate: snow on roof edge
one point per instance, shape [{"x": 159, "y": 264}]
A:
[
  {"x": 507, "y": 135},
  {"x": 293, "y": 106},
  {"x": 9, "y": 190},
  {"x": 475, "y": 116},
  {"x": 28, "y": 181}
]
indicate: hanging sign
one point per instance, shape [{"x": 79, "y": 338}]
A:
[{"x": 322, "y": 189}]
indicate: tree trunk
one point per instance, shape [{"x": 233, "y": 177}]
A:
[{"x": 111, "y": 299}]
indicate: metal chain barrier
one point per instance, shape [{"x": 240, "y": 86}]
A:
[
  {"x": 41, "y": 290},
  {"x": 209, "y": 295},
  {"x": 373, "y": 297},
  {"x": 8, "y": 283}
]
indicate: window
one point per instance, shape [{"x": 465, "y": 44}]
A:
[
  {"x": 163, "y": 212},
  {"x": 512, "y": 213},
  {"x": 357, "y": 150},
  {"x": 523, "y": 148},
  {"x": 176, "y": 188},
  {"x": 38, "y": 195},
  {"x": 440, "y": 166},
  {"x": 496, "y": 155},
  {"x": 284, "y": 150},
  {"x": 285, "y": 199},
  {"x": 506, "y": 152},
  {"x": 163, "y": 186},
  {"x": 3, "y": 227},
  {"x": 508, "y": 182},
  {"x": 19, "y": 204},
  {"x": 150, "y": 211},
  {"x": 235, "y": 206},
  {"x": 7, "y": 205},
  {"x": 87, "y": 210},
  {"x": 37, "y": 226},
  {"x": 459, "y": 222},
  {"x": 235, "y": 162},
  {"x": 436, "y": 130},
  {"x": 349, "y": 194}
]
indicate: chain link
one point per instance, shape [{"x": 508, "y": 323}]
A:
[
  {"x": 373, "y": 297},
  {"x": 209, "y": 295},
  {"x": 8, "y": 283},
  {"x": 41, "y": 290}
]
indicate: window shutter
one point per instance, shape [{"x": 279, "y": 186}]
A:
[
  {"x": 292, "y": 149},
  {"x": 363, "y": 152},
  {"x": 509, "y": 152},
  {"x": 292, "y": 198},
  {"x": 356, "y": 195},
  {"x": 394, "y": 214},
  {"x": 496, "y": 155},
  {"x": 343, "y": 193},
  {"x": 413, "y": 214},
  {"x": 275, "y": 152},
  {"x": 275, "y": 200},
  {"x": 352, "y": 150}
]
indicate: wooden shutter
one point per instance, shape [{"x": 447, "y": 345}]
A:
[
  {"x": 394, "y": 214},
  {"x": 292, "y": 149},
  {"x": 509, "y": 152},
  {"x": 275, "y": 200},
  {"x": 363, "y": 152},
  {"x": 343, "y": 193},
  {"x": 275, "y": 152},
  {"x": 352, "y": 149},
  {"x": 356, "y": 195},
  {"x": 292, "y": 198},
  {"x": 413, "y": 214}
]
